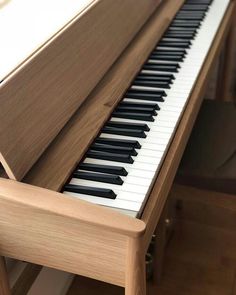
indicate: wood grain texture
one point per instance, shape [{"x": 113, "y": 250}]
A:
[
  {"x": 40, "y": 96},
  {"x": 4, "y": 284},
  {"x": 47, "y": 228},
  {"x": 57, "y": 163},
  {"x": 135, "y": 281},
  {"x": 161, "y": 188}
]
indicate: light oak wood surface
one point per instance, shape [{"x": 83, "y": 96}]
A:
[
  {"x": 29, "y": 25},
  {"x": 47, "y": 228},
  {"x": 57, "y": 163},
  {"x": 135, "y": 281},
  {"x": 49, "y": 87}
]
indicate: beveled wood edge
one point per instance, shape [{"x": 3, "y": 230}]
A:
[
  {"x": 73, "y": 209},
  {"x": 48, "y": 41},
  {"x": 162, "y": 186},
  {"x": 6, "y": 168}
]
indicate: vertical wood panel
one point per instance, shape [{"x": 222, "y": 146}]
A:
[{"x": 4, "y": 284}]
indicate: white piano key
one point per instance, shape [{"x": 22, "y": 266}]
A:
[
  {"x": 126, "y": 212},
  {"x": 129, "y": 167},
  {"x": 126, "y": 187},
  {"x": 117, "y": 203}
]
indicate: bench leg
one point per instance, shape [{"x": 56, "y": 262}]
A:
[
  {"x": 135, "y": 269},
  {"x": 4, "y": 284}
]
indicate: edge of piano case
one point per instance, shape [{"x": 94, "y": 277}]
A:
[
  {"x": 42, "y": 94},
  {"x": 49, "y": 229}
]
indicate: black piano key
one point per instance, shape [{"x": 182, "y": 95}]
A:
[
  {"x": 125, "y": 132},
  {"x": 163, "y": 63},
  {"x": 119, "y": 142},
  {"x": 144, "y": 96},
  {"x": 113, "y": 149},
  {"x": 147, "y": 91},
  {"x": 131, "y": 109},
  {"x": 174, "y": 44},
  {"x": 179, "y": 36},
  {"x": 116, "y": 170},
  {"x": 171, "y": 51},
  {"x": 179, "y": 29},
  {"x": 140, "y": 93},
  {"x": 191, "y": 18},
  {"x": 156, "y": 77},
  {"x": 196, "y": 13},
  {"x": 162, "y": 57},
  {"x": 92, "y": 191},
  {"x": 197, "y": 2},
  {"x": 176, "y": 41},
  {"x": 185, "y": 24},
  {"x": 137, "y": 126},
  {"x": 154, "y": 106},
  {"x": 134, "y": 116},
  {"x": 169, "y": 40},
  {"x": 187, "y": 7},
  {"x": 100, "y": 177},
  {"x": 160, "y": 68},
  {"x": 192, "y": 13},
  {"x": 110, "y": 156},
  {"x": 159, "y": 84}
]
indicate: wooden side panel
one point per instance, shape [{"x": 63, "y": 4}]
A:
[
  {"x": 48, "y": 228},
  {"x": 51, "y": 238},
  {"x": 56, "y": 164},
  {"x": 41, "y": 95}
]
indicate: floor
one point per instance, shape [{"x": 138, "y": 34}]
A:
[{"x": 200, "y": 258}]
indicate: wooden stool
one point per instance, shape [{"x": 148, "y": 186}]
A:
[{"x": 209, "y": 161}]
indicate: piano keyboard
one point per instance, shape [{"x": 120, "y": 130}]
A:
[{"x": 121, "y": 165}]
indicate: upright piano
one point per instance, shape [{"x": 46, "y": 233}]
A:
[{"x": 96, "y": 108}]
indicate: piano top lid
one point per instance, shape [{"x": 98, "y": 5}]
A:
[{"x": 26, "y": 25}]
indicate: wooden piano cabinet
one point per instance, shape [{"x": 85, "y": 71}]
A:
[
  {"x": 47, "y": 228},
  {"x": 4, "y": 284}
]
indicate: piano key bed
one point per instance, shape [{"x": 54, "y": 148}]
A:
[{"x": 122, "y": 163}]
